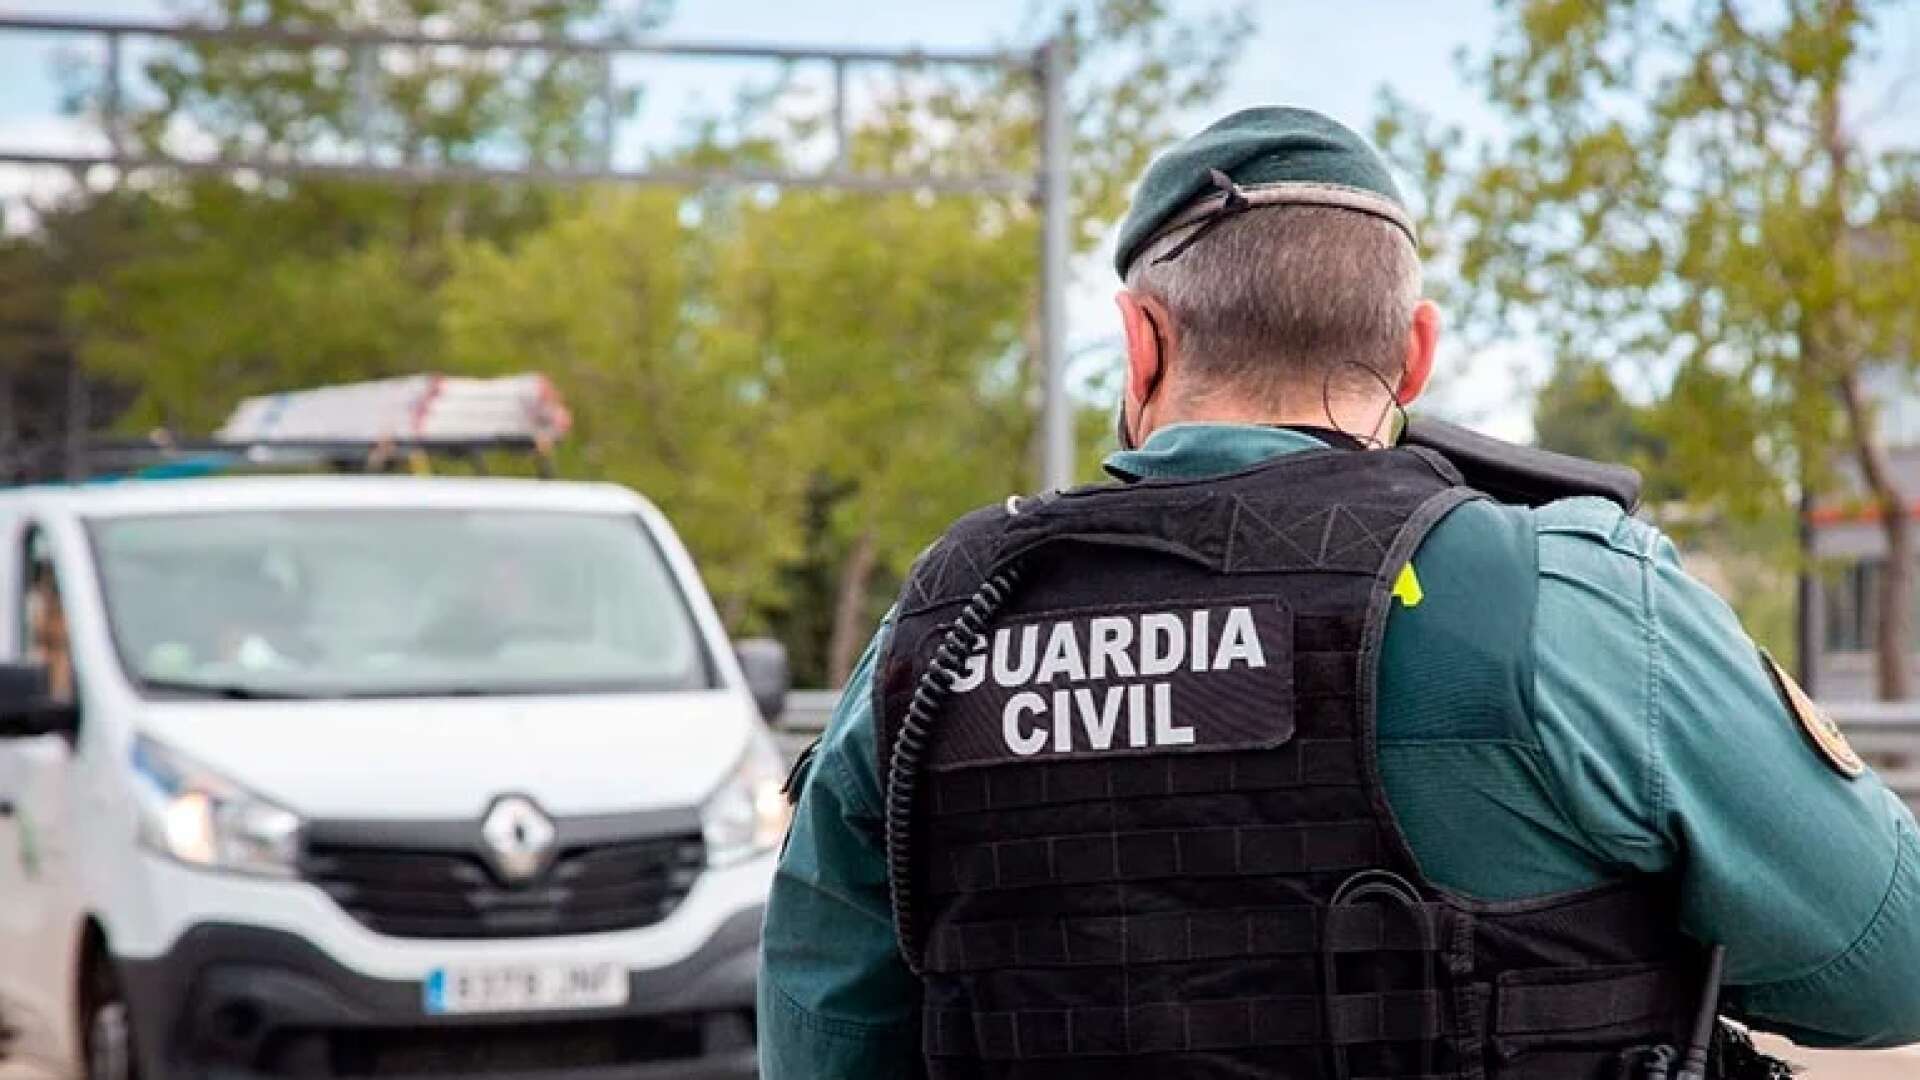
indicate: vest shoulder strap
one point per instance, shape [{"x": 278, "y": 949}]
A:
[
  {"x": 955, "y": 564},
  {"x": 1523, "y": 475}
]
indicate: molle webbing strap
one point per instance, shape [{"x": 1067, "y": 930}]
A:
[
  {"x": 1184, "y": 1027},
  {"x": 1184, "y": 937},
  {"x": 1299, "y": 763},
  {"x": 1559, "y": 1000},
  {"x": 1227, "y": 851}
]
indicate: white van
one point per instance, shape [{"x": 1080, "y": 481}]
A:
[{"x": 330, "y": 776}]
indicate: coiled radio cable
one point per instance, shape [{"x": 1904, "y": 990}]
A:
[{"x": 915, "y": 737}]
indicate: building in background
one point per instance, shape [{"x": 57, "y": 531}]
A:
[{"x": 1840, "y": 606}]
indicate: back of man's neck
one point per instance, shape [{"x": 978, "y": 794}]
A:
[{"x": 1320, "y": 420}]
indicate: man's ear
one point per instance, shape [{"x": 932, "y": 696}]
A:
[
  {"x": 1145, "y": 322},
  {"x": 1423, "y": 337}
]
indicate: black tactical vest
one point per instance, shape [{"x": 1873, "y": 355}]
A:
[{"x": 1147, "y": 831}]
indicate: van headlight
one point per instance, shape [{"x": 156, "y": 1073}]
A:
[
  {"x": 196, "y": 816},
  {"x": 749, "y": 814}
]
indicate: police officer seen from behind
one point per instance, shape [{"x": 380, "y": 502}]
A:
[{"x": 1292, "y": 753}]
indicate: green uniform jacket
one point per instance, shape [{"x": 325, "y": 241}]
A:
[{"x": 1645, "y": 736}]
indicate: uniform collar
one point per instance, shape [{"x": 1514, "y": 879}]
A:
[{"x": 1194, "y": 450}]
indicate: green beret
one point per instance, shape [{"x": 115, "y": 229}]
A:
[{"x": 1256, "y": 157}]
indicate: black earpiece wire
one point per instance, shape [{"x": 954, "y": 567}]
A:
[{"x": 1372, "y": 440}]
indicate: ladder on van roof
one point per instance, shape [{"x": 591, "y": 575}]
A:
[{"x": 379, "y": 426}]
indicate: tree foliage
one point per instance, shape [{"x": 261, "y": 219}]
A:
[
  {"x": 1680, "y": 193},
  {"x": 246, "y": 285},
  {"x": 1580, "y": 411},
  {"x": 40, "y": 371},
  {"x": 810, "y": 384}
]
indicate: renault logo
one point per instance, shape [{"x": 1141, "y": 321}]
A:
[{"x": 519, "y": 837}]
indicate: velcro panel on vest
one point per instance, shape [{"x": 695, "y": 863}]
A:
[
  {"x": 1184, "y": 1027},
  {"x": 1183, "y": 937}
]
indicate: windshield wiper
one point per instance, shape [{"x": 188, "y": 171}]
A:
[
  {"x": 479, "y": 690},
  {"x": 418, "y": 692},
  {"x": 231, "y": 691}
]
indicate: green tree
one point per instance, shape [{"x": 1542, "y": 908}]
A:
[
  {"x": 1581, "y": 411},
  {"x": 247, "y": 285},
  {"x": 888, "y": 332},
  {"x": 396, "y": 104},
  {"x": 605, "y": 300},
  {"x": 69, "y": 243},
  {"x": 870, "y": 356},
  {"x": 196, "y": 324},
  {"x": 809, "y": 383},
  {"x": 1680, "y": 190},
  {"x": 918, "y": 318}
]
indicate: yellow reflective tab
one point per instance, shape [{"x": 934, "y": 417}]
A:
[{"x": 1406, "y": 587}]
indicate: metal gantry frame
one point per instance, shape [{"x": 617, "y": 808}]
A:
[{"x": 1048, "y": 66}]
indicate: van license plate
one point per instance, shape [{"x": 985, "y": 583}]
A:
[{"x": 524, "y": 988}]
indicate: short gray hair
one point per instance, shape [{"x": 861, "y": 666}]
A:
[{"x": 1282, "y": 300}]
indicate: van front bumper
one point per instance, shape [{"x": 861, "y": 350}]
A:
[{"x": 232, "y": 1001}]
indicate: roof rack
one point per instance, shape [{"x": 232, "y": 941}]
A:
[
  {"x": 161, "y": 456},
  {"x": 389, "y": 425}
]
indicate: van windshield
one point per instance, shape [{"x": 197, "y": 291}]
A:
[{"x": 323, "y": 603}]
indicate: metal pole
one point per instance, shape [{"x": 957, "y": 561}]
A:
[
  {"x": 365, "y": 48},
  {"x": 1806, "y": 633},
  {"x": 1056, "y": 419},
  {"x": 839, "y": 115},
  {"x": 110, "y": 107},
  {"x": 366, "y": 65},
  {"x": 440, "y": 172},
  {"x": 609, "y": 111},
  {"x": 302, "y": 38},
  {"x": 77, "y": 420}
]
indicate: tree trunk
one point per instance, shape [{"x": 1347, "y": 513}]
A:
[
  {"x": 10, "y": 449},
  {"x": 1894, "y": 629},
  {"x": 1839, "y": 351},
  {"x": 850, "y": 608}
]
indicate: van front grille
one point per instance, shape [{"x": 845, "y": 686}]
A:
[{"x": 593, "y": 888}]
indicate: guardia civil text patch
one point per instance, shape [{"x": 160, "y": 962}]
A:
[{"x": 1175, "y": 677}]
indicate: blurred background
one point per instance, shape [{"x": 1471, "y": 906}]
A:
[
  {"x": 1680, "y": 234},
  {"x": 1677, "y": 233}
]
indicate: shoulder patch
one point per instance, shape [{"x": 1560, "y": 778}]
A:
[{"x": 1826, "y": 735}]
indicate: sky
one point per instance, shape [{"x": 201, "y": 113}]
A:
[{"x": 1330, "y": 55}]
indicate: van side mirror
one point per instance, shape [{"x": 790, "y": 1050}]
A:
[
  {"x": 764, "y": 662},
  {"x": 27, "y": 710}
]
